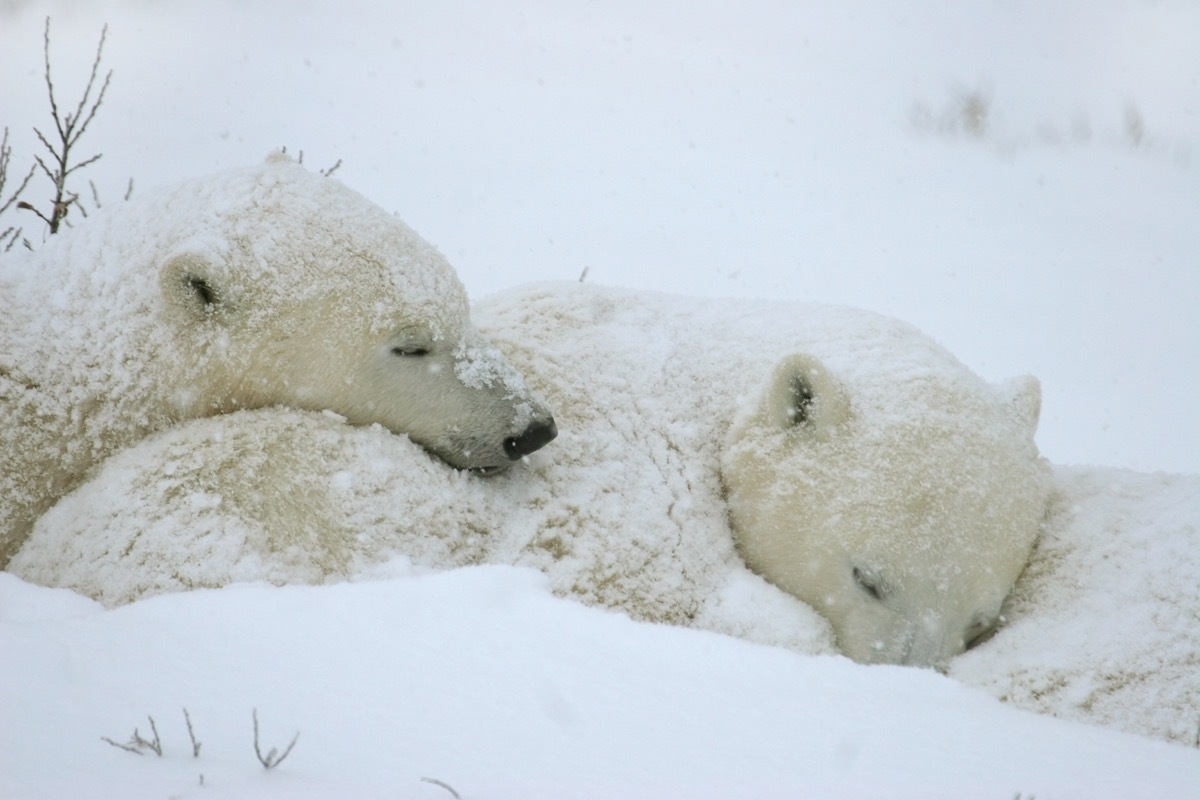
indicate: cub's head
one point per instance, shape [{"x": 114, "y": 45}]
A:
[{"x": 902, "y": 509}]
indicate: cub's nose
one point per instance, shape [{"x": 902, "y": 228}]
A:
[{"x": 536, "y": 436}]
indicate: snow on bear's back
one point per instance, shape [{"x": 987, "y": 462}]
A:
[{"x": 622, "y": 345}]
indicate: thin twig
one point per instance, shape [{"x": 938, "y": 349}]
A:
[
  {"x": 69, "y": 128},
  {"x": 129, "y": 747},
  {"x": 156, "y": 743},
  {"x": 5, "y": 160},
  {"x": 192, "y": 735},
  {"x": 139, "y": 744},
  {"x": 10, "y": 236},
  {"x": 442, "y": 784},
  {"x": 273, "y": 758}
]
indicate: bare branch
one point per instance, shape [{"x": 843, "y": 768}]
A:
[
  {"x": 139, "y": 744},
  {"x": 4, "y": 207},
  {"x": 156, "y": 744},
  {"x": 88, "y": 91},
  {"x": 11, "y": 236},
  {"x": 50, "y": 149},
  {"x": 5, "y": 160},
  {"x": 127, "y": 747},
  {"x": 273, "y": 758},
  {"x": 26, "y": 207},
  {"x": 442, "y": 784},
  {"x": 83, "y": 164},
  {"x": 5, "y": 155},
  {"x": 49, "y": 83},
  {"x": 192, "y": 735},
  {"x": 70, "y": 128}
]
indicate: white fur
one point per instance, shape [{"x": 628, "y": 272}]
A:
[
  {"x": 251, "y": 288},
  {"x": 903, "y": 511},
  {"x": 627, "y": 508}
]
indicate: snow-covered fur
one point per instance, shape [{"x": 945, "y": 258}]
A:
[
  {"x": 250, "y": 288},
  {"x": 205, "y": 504},
  {"x": 901, "y": 504},
  {"x": 1103, "y": 625},
  {"x": 626, "y": 510}
]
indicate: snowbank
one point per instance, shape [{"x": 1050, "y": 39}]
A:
[{"x": 480, "y": 679}]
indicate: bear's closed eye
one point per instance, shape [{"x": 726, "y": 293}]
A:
[{"x": 202, "y": 289}]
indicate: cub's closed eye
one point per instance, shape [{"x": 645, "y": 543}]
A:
[
  {"x": 410, "y": 351},
  {"x": 979, "y": 631}
]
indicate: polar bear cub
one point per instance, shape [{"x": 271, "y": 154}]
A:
[{"x": 904, "y": 516}]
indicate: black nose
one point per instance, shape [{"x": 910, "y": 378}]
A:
[{"x": 533, "y": 438}]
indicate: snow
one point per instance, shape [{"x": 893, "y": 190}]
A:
[
  {"x": 795, "y": 151},
  {"x": 478, "y": 678}
]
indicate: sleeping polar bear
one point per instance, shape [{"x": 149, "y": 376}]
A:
[
  {"x": 253, "y": 287},
  {"x": 848, "y": 458}
]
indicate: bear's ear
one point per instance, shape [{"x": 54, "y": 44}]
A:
[
  {"x": 189, "y": 281},
  {"x": 805, "y": 396},
  {"x": 1023, "y": 398}
]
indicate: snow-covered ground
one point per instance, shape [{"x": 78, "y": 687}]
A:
[
  {"x": 480, "y": 679},
  {"x": 828, "y": 152}
]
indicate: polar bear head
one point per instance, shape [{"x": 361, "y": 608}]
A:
[
  {"x": 281, "y": 287},
  {"x": 903, "y": 514}
]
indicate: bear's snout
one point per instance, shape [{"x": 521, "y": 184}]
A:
[{"x": 535, "y": 437}]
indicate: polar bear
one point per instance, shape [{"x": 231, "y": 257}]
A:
[
  {"x": 629, "y": 511},
  {"x": 903, "y": 510},
  {"x": 255, "y": 287}
]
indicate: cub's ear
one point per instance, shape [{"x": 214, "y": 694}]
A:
[
  {"x": 190, "y": 281},
  {"x": 803, "y": 395},
  {"x": 1023, "y": 398}
]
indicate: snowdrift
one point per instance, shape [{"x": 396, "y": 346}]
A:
[{"x": 480, "y": 679}]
